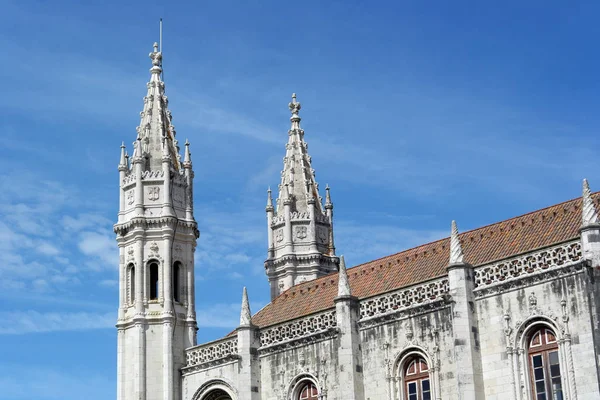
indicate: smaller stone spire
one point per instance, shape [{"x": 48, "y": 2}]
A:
[
  {"x": 343, "y": 285},
  {"x": 589, "y": 214},
  {"x": 187, "y": 157},
  {"x": 137, "y": 148},
  {"x": 288, "y": 196},
  {"x": 246, "y": 315},
  {"x": 269, "y": 200},
  {"x": 311, "y": 193},
  {"x": 123, "y": 160},
  {"x": 165, "y": 150},
  {"x": 328, "y": 203},
  {"x": 456, "y": 253}
]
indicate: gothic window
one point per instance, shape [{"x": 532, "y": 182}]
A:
[
  {"x": 308, "y": 392},
  {"x": 153, "y": 280},
  {"x": 416, "y": 380},
  {"x": 544, "y": 366},
  {"x": 131, "y": 284},
  {"x": 176, "y": 281}
]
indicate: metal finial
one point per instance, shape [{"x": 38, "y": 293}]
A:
[{"x": 155, "y": 45}]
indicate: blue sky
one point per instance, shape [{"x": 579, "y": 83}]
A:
[{"x": 416, "y": 113}]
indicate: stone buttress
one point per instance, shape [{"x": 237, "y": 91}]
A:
[{"x": 467, "y": 350}]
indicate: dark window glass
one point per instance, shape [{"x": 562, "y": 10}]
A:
[{"x": 153, "y": 281}]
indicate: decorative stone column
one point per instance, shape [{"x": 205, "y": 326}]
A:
[
  {"x": 467, "y": 356},
  {"x": 248, "y": 344},
  {"x": 351, "y": 385}
]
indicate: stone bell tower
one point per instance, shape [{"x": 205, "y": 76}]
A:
[
  {"x": 156, "y": 233},
  {"x": 300, "y": 228}
]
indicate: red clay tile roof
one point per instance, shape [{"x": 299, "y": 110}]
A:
[{"x": 542, "y": 228}]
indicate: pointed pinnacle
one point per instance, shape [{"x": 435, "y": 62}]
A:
[
  {"x": 311, "y": 190},
  {"x": 122, "y": 161},
  {"x": 269, "y": 198},
  {"x": 343, "y": 285},
  {"x": 588, "y": 211},
  {"x": 456, "y": 253},
  {"x": 165, "y": 149},
  {"x": 187, "y": 156},
  {"x": 245, "y": 315}
]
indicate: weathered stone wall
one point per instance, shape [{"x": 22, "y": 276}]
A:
[{"x": 551, "y": 287}]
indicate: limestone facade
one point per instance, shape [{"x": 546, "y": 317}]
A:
[{"x": 507, "y": 311}]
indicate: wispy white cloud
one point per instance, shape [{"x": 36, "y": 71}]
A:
[
  {"x": 101, "y": 246},
  {"x": 30, "y": 321}
]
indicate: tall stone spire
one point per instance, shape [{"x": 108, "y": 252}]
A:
[
  {"x": 300, "y": 227},
  {"x": 297, "y": 170},
  {"x": 155, "y": 124},
  {"x": 589, "y": 214},
  {"x": 156, "y": 233},
  {"x": 456, "y": 253}
]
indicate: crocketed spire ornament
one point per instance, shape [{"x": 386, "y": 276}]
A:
[
  {"x": 343, "y": 285},
  {"x": 589, "y": 214},
  {"x": 295, "y": 108},
  {"x": 456, "y": 253},
  {"x": 245, "y": 315}
]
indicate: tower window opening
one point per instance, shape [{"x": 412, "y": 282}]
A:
[
  {"x": 153, "y": 281},
  {"x": 176, "y": 280}
]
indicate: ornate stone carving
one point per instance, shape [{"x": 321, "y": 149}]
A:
[
  {"x": 211, "y": 352},
  {"x": 532, "y": 301},
  {"x": 298, "y": 329},
  {"x": 153, "y": 249},
  {"x": 301, "y": 232},
  {"x": 322, "y": 234},
  {"x": 153, "y": 193},
  {"x": 279, "y": 235},
  {"x": 404, "y": 298},
  {"x": 130, "y": 197},
  {"x": 529, "y": 264}
]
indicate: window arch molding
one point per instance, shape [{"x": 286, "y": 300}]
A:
[
  {"x": 215, "y": 385},
  {"x": 298, "y": 383},
  {"x": 400, "y": 364},
  {"x": 522, "y": 372}
]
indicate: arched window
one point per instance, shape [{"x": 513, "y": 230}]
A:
[
  {"x": 176, "y": 281},
  {"x": 153, "y": 280},
  {"x": 544, "y": 366},
  {"x": 131, "y": 284},
  {"x": 416, "y": 379},
  {"x": 308, "y": 392}
]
